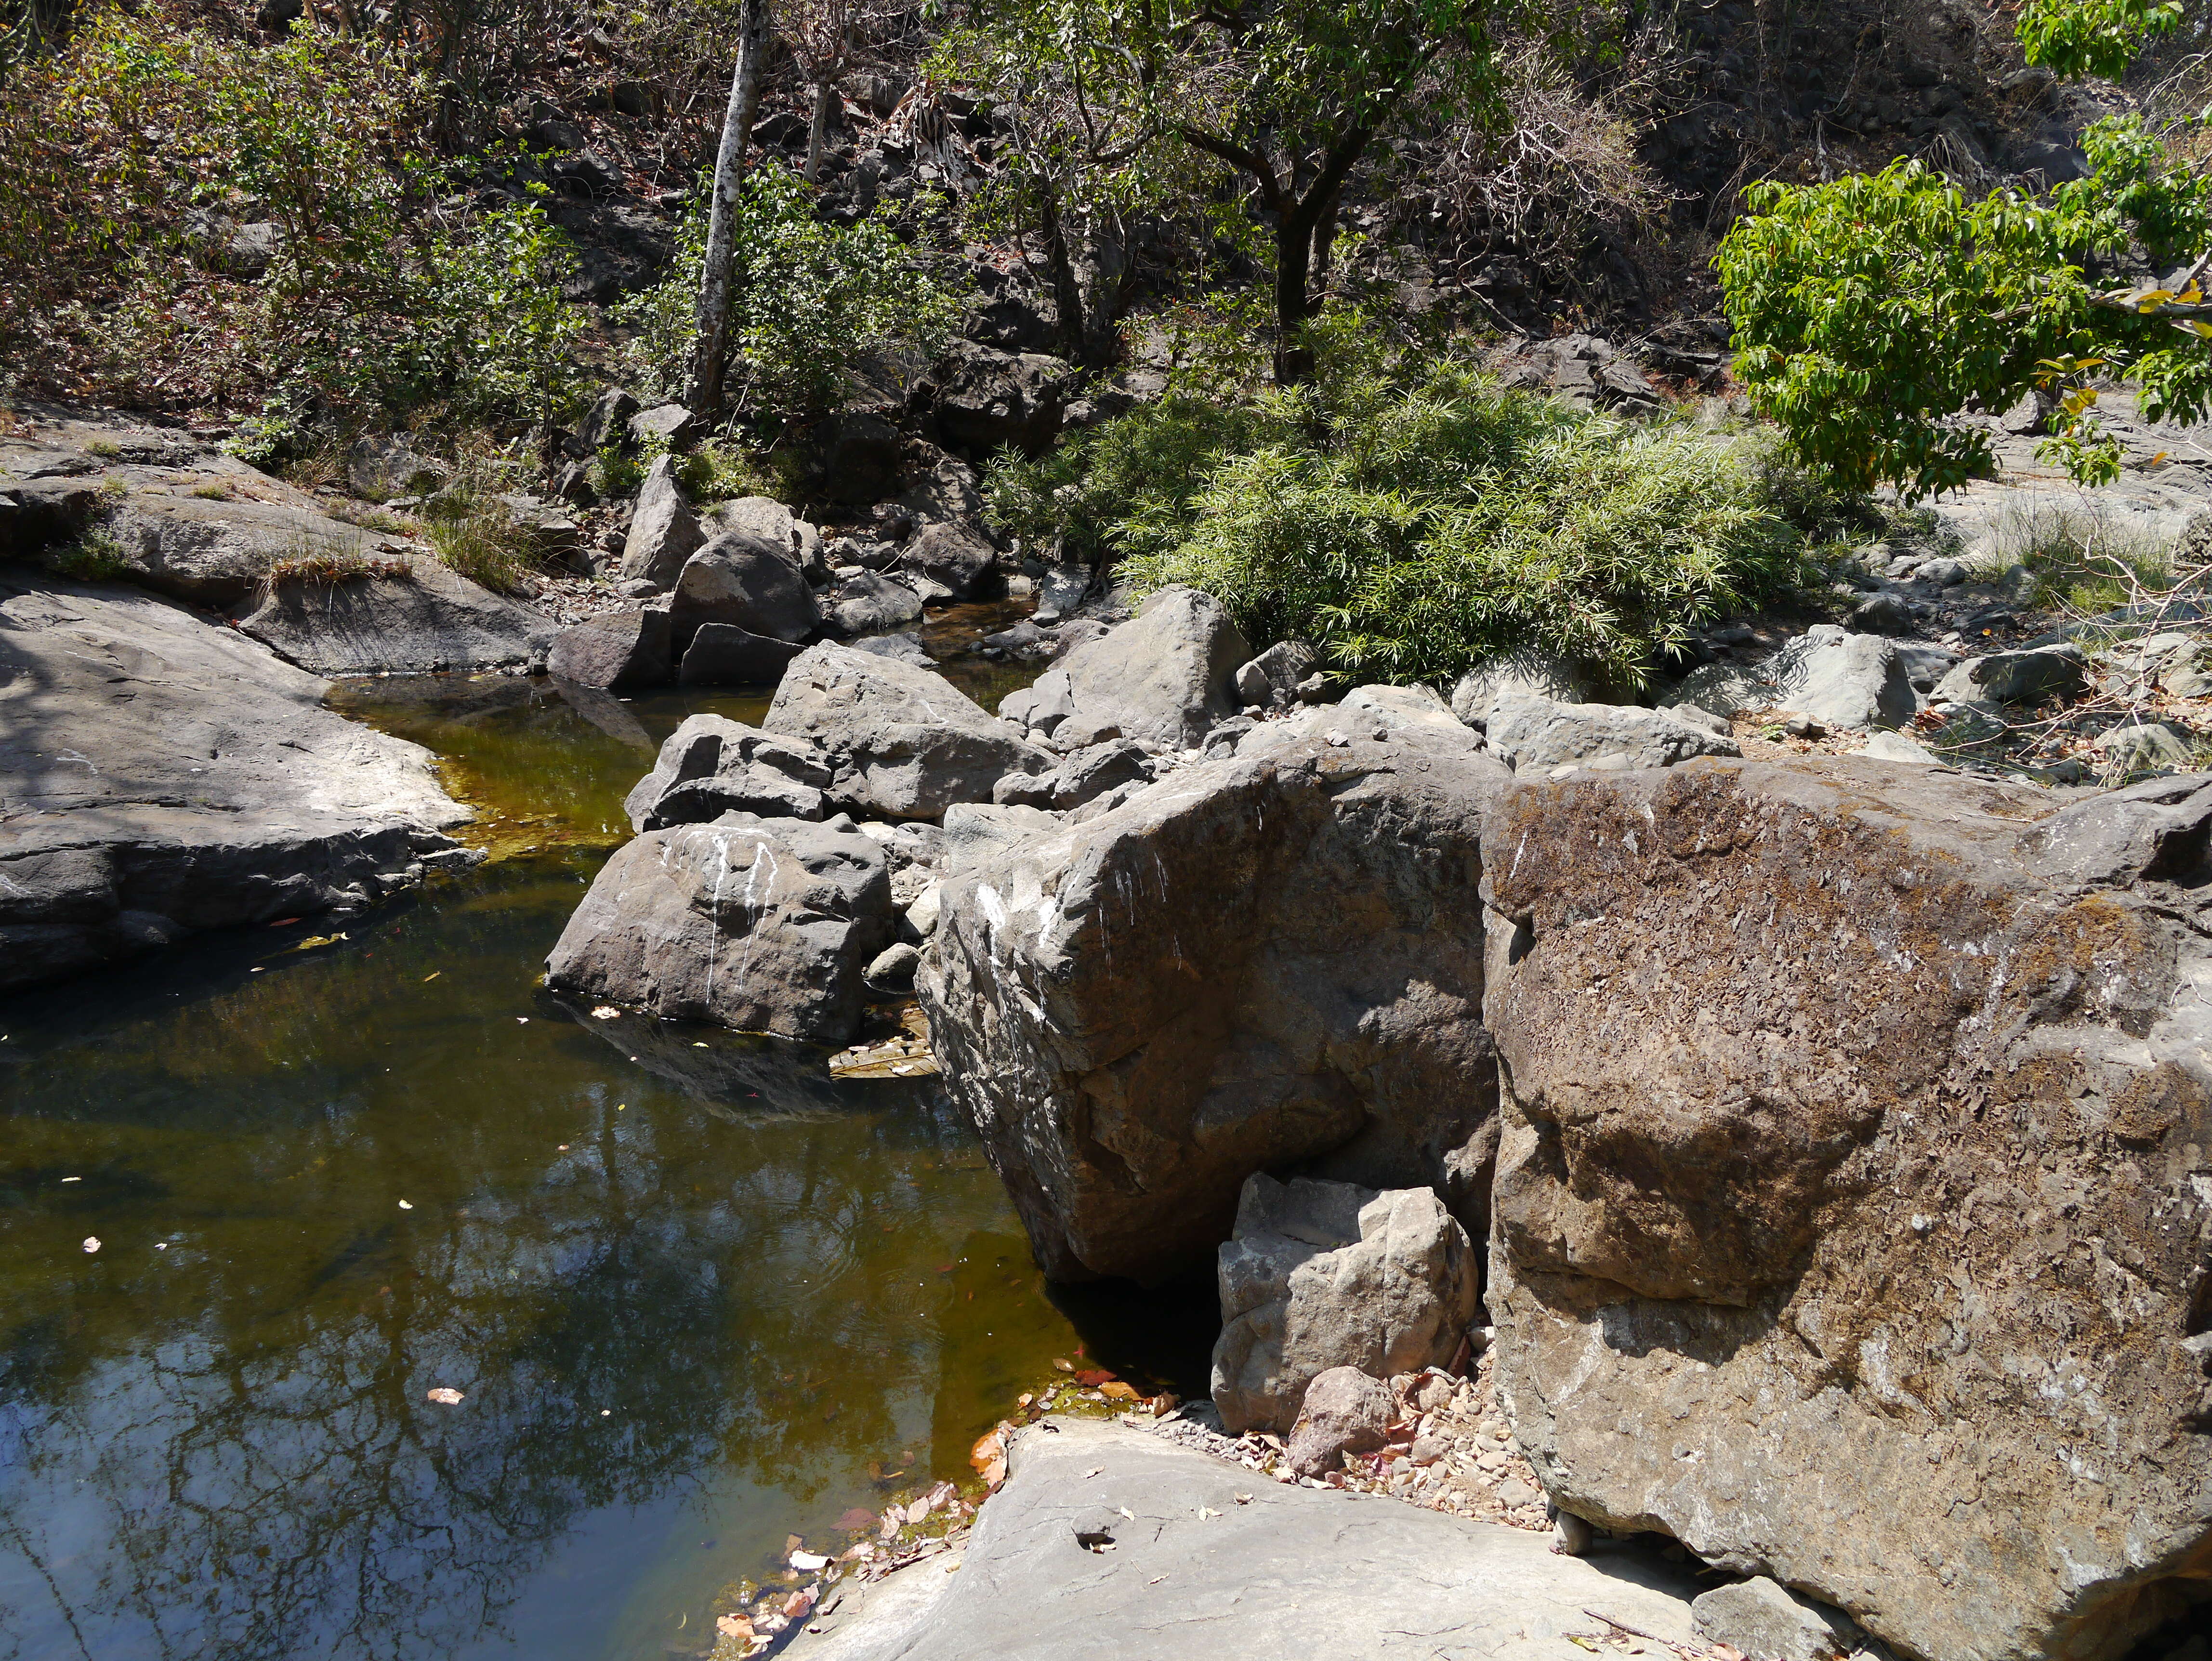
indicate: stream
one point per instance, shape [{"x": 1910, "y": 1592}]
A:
[{"x": 697, "y": 1296}]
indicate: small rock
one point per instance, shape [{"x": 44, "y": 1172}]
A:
[
  {"x": 892, "y": 969},
  {"x": 1895, "y": 746},
  {"x": 1345, "y": 1411},
  {"x": 1763, "y": 1619},
  {"x": 2152, "y": 746},
  {"x": 1885, "y": 613},
  {"x": 1571, "y": 1534},
  {"x": 1804, "y": 726},
  {"x": 2015, "y": 676}
]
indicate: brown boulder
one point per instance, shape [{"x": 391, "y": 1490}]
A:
[{"x": 1850, "y": 1213}]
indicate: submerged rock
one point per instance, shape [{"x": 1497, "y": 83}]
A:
[
  {"x": 1331, "y": 1274},
  {"x": 759, "y": 924},
  {"x": 1849, "y": 1213},
  {"x": 1140, "y": 1011}
]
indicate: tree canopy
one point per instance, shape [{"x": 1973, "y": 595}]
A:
[{"x": 1870, "y": 312}]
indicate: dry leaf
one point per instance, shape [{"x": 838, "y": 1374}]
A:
[
  {"x": 1205, "y": 1511},
  {"x": 1117, "y": 1391},
  {"x": 809, "y": 1562},
  {"x": 734, "y": 1626},
  {"x": 1064, "y": 1367},
  {"x": 445, "y": 1398},
  {"x": 1094, "y": 1470},
  {"x": 606, "y": 1012},
  {"x": 988, "y": 1446},
  {"x": 92, "y": 1242},
  {"x": 994, "y": 1474}
]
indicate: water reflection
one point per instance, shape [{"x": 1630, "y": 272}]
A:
[
  {"x": 669, "y": 1326},
  {"x": 697, "y": 1295}
]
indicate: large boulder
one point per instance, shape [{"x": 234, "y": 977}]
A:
[
  {"x": 160, "y": 774},
  {"x": 1533, "y": 735},
  {"x": 1167, "y": 675},
  {"x": 1141, "y": 1010},
  {"x": 902, "y": 740},
  {"x": 1331, "y": 1274},
  {"x": 761, "y": 925},
  {"x": 744, "y": 580},
  {"x": 712, "y": 766},
  {"x": 1849, "y": 1215},
  {"x": 415, "y": 616},
  {"x": 872, "y": 604},
  {"x": 953, "y": 554},
  {"x": 663, "y": 532},
  {"x": 767, "y": 521}
]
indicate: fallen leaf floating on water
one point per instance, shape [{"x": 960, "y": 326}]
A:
[
  {"x": 1118, "y": 1392},
  {"x": 809, "y": 1562},
  {"x": 317, "y": 940},
  {"x": 1064, "y": 1366},
  {"x": 406, "y": 1205},
  {"x": 92, "y": 1242},
  {"x": 858, "y": 1517},
  {"x": 445, "y": 1398},
  {"x": 733, "y": 1625},
  {"x": 432, "y": 975},
  {"x": 1092, "y": 1377}
]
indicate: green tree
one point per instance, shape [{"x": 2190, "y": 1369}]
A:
[
  {"x": 1286, "y": 96},
  {"x": 1870, "y": 312}
]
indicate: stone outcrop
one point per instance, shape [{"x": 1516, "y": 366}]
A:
[
  {"x": 1208, "y": 1563},
  {"x": 761, "y": 925},
  {"x": 1848, "y": 1220},
  {"x": 901, "y": 740},
  {"x": 1330, "y": 1275},
  {"x": 1271, "y": 962},
  {"x": 1167, "y": 675},
  {"x": 160, "y": 774},
  {"x": 431, "y": 619},
  {"x": 712, "y": 766}
]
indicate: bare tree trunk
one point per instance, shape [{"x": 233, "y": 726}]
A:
[
  {"x": 706, "y": 391},
  {"x": 818, "y": 131}
]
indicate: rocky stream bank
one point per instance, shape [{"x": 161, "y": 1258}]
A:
[{"x": 1753, "y": 1136}]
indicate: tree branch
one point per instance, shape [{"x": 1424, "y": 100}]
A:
[{"x": 1251, "y": 162}]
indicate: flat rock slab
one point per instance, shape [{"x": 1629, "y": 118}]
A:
[
  {"x": 1295, "y": 1572},
  {"x": 160, "y": 774},
  {"x": 435, "y": 619}
]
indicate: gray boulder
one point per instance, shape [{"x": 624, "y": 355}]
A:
[
  {"x": 1528, "y": 672},
  {"x": 872, "y": 604},
  {"x": 902, "y": 741},
  {"x": 759, "y": 924},
  {"x": 380, "y": 468},
  {"x": 2024, "y": 677},
  {"x": 1849, "y": 1304},
  {"x": 1061, "y": 591},
  {"x": 905, "y": 647},
  {"x": 1345, "y": 1411},
  {"x": 615, "y": 652},
  {"x": 712, "y": 766},
  {"x": 1772, "y": 1623},
  {"x": 892, "y": 969},
  {"x": 990, "y": 400},
  {"x": 765, "y": 520},
  {"x": 1394, "y": 709},
  {"x": 1534, "y": 735},
  {"x": 220, "y": 553},
  {"x": 739, "y": 579},
  {"x": 1165, "y": 676},
  {"x": 2147, "y": 746},
  {"x": 663, "y": 532},
  {"x": 431, "y": 619},
  {"x": 1140, "y": 1011},
  {"x": 606, "y": 424},
  {"x": 1271, "y": 680},
  {"x": 1845, "y": 680},
  {"x": 1727, "y": 689},
  {"x": 1081, "y": 778},
  {"x": 977, "y": 833},
  {"x": 1330, "y": 1275},
  {"x": 954, "y": 555},
  {"x": 723, "y": 655}
]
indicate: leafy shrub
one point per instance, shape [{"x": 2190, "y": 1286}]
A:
[
  {"x": 135, "y": 152},
  {"x": 808, "y": 299},
  {"x": 614, "y": 474},
  {"x": 1412, "y": 527},
  {"x": 718, "y": 471},
  {"x": 95, "y": 557}
]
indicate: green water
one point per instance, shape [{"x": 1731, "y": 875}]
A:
[{"x": 697, "y": 1296}]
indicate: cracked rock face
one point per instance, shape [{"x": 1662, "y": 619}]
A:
[
  {"x": 1271, "y": 962},
  {"x": 1850, "y": 1219}
]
